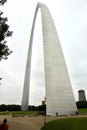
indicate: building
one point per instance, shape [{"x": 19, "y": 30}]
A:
[
  {"x": 59, "y": 95},
  {"x": 82, "y": 96},
  {"x": 43, "y": 102}
]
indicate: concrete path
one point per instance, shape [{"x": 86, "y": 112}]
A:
[{"x": 26, "y": 123}]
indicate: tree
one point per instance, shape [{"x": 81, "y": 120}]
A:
[
  {"x": 4, "y": 33},
  {"x": 2, "y": 2}
]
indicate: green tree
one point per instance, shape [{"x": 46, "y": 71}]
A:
[
  {"x": 2, "y": 2},
  {"x": 4, "y": 33}
]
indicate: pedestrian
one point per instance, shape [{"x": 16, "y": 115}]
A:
[
  {"x": 4, "y": 125},
  {"x": 0, "y": 126}
]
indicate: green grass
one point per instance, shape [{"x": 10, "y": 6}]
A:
[
  {"x": 82, "y": 111},
  {"x": 24, "y": 112},
  {"x": 4, "y": 113},
  {"x": 18, "y": 113},
  {"x": 67, "y": 124}
]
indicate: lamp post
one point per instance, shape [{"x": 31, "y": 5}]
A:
[
  {"x": 0, "y": 79},
  {"x": 45, "y": 112},
  {"x": 44, "y": 119}
]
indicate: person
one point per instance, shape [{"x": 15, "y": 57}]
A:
[
  {"x": 0, "y": 126},
  {"x": 4, "y": 125}
]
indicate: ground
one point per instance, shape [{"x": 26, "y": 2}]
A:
[{"x": 28, "y": 123}]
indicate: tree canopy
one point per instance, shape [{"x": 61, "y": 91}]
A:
[
  {"x": 4, "y": 33},
  {"x": 2, "y": 2}
]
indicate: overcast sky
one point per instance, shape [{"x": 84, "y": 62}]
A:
[{"x": 70, "y": 18}]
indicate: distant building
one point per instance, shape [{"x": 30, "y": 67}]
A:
[
  {"x": 43, "y": 102},
  {"x": 82, "y": 96}
]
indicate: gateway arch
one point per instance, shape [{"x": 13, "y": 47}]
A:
[{"x": 59, "y": 95}]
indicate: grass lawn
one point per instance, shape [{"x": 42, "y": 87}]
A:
[
  {"x": 18, "y": 113},
  {"x": 82, "y": 111},
  {"x": 67, "y": 124}
]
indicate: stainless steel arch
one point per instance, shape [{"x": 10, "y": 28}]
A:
[{"x": 59, "y": 94}]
